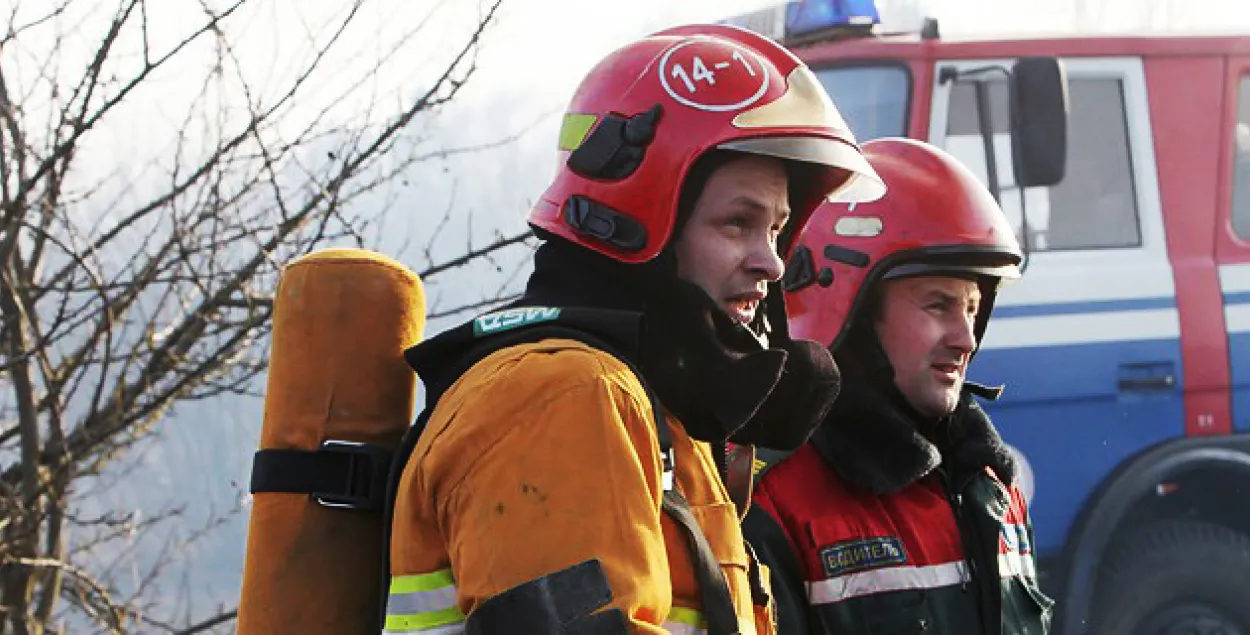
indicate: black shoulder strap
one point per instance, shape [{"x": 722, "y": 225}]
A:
[{"x": 718, "y": 604}]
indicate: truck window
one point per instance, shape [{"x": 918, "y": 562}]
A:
[
  {"x": 872, "y": 98},
  {"x": 1241, "y": 163},
  {"x": 1095, "y": 206}
]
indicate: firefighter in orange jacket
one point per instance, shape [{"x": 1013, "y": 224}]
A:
[{"x": 572, "y": 475}]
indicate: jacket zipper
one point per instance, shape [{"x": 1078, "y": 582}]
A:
[{"x": 973, "y": 549}]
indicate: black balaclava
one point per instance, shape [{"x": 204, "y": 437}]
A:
[{"x": 717, "y": 376}]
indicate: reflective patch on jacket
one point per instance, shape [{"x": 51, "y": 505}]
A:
[
  {"x": 859, "y": 555},
  {"x": 423, "y": 603}
]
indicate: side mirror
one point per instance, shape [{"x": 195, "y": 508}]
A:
[{"x": 1039, "y": 121}]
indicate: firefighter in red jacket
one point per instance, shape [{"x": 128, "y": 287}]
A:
[{"x": 901, "y": 514}]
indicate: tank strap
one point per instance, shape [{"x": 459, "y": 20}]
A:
[{"x": 340, "y": 474}]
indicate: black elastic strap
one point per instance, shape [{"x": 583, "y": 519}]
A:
[
  {"x": 338, "y": 474},
  {"x": 664, "y": 437},
  {"x": 760, "y": 595},
  {"x": 718, "y": 604},
  {"x": 560, "y": 603}
]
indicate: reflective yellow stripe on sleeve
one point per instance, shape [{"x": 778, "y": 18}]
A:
[
  {"x": 683, "y": 621},
  {"x": 424, "y": 603}
]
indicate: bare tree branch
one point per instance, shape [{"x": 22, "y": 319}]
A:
[
  {"x": 473, "y": 306},
  {"x": 217, "y": 620},
  {"x": 15, "y": 31},
  {"x": 123, "y": 295},
  {"x": 474, "y": 254}
]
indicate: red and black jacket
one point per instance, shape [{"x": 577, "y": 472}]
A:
[{"x": 873, "y": 528}]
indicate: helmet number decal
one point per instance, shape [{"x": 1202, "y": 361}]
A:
[
  {"x": 739, "y": 58},
  {"x": 713, "y": 76}
]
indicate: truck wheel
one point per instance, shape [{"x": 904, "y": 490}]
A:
[{"x": 1175, "y": 577}]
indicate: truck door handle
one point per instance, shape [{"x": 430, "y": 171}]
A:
[{"x": 1147, "y": 377}]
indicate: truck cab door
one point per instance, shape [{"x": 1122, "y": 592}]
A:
[
  {"x": 1234, "y": 243},
  {"x": 1087, "y": 342}
]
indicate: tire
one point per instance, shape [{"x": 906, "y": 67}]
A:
[{"x": 1175, "y": 577}]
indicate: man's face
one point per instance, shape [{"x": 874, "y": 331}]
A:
[
  {"x": 926, "y": 328},
  {"x": 729, "y": 244}
]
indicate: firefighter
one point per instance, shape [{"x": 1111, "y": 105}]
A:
[
  {"x": 572, "y": 474},
  {"x": 901, "y": 514}
]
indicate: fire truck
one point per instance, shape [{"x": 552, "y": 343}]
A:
[{"x": 1124, "y": 164}]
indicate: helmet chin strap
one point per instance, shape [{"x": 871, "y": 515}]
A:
[
  {"x": 759, "y": 327},
  {"x": 770, "y": 325}
]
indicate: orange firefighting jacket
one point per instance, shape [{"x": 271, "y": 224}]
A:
[{"x": 543, "y": 455}]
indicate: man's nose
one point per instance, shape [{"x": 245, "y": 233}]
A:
[
  {"x": 961, "y": 335},
  {"x": 764, "y": 262}
]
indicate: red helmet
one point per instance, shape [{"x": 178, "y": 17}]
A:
[
  {"x": 937, "y": 219},
  {"x": 648, "y": 111}
]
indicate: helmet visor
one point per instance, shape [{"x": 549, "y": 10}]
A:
[{"x": 861, "y": 183}]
